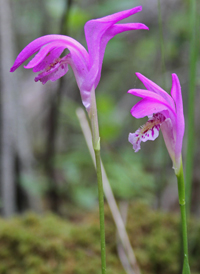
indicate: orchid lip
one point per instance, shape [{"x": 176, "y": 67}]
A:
[{"x": 149, "y": 131}]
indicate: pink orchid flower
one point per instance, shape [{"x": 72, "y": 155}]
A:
[
  {"x": 86, "y": 65},
  {"x": 165, "y": 112}
]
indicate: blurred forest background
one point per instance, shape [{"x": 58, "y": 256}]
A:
[{"x": 45, "y": 163}]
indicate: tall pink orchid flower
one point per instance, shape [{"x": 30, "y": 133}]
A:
[
  {"x": 85, "y": 64},
  {"x": 165, "y": 112}
]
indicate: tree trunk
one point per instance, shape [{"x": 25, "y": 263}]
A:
[{"x": 7, "y": 121}]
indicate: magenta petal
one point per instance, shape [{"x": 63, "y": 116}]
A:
[
  {"x": 50, "y": 46},
  {"x": 168, "y": 135},
  {"x": 176, "y": 94},
  {"x": 49, "y": 52},
  {"x": 114, "y": 18},
  {"x": 109, "y": 34},
  {"x": 30, "y": 49},
  {"x": 53, "y": 74},
  {"x": 35, "y": 45},
  {"x": 48, "y": 60},
  {"x": 146, "y": 107},
  {"x": 143, "y": 93},
  {"x": 151, "y": 86},
  {"x": 153, "y": 96},
  {"x": 99, "y": 31}
]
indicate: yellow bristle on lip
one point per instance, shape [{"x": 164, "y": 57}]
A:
[{"x": 150, "y": 124}]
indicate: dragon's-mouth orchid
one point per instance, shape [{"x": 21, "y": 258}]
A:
[
  {"x": 165, "y": 112},
  {"x": 86, "y": 65}
]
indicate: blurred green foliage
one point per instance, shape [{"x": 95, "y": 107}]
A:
[
  {"x": 36, "y": 185},
  {"x": 47, "y": 244},
  {"x": 128, "y": 178},
  {"x": 77, "y": 18}
]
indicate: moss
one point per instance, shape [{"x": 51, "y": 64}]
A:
[
  {"x": 157, "y": 240},
  {"x": 48, "y": 244}
]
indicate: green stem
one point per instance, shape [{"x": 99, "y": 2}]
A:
[
  {"x": 96, "y": 146},
  {"x": 181, "y": 194},
  {"x": 101, "y": 210},
  {"x": 191, "y": 101}
]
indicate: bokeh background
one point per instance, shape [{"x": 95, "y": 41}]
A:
[{"x": 46, "y": 167}]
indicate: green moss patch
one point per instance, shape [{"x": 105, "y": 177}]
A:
[{"x": 47, "y": 244}]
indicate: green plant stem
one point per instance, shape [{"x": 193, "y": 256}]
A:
[
  {"x": 96, "y": 146},
  {"x": 181, "y": 194},
  {"x": 101, "y": 210},
  {"x": 191, "y": 101}
]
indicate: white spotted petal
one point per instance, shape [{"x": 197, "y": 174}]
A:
[{"x": 149, "y": 131}]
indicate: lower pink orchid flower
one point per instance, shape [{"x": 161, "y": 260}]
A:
[
  {"x": 165, "y": 112},
  {"x": 86, "y": 65}
]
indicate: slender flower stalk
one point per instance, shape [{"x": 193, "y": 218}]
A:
[
  {"x": 96, "y": 146},
  {"x": 182, "y": 203},
  {"x": 86, "y": 66},
  {"x": 165, "y": 112}
]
